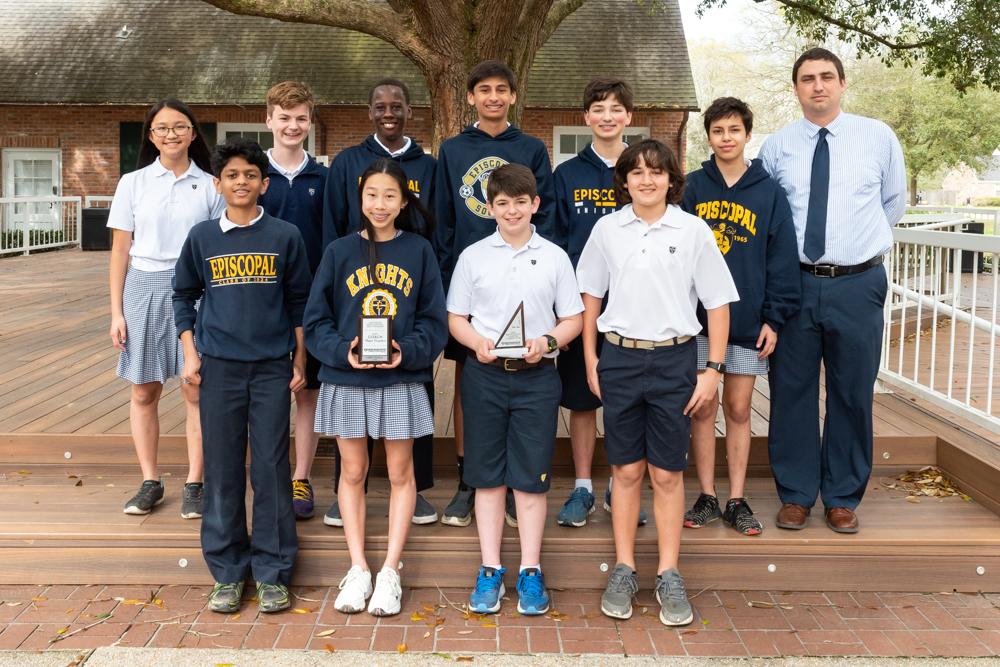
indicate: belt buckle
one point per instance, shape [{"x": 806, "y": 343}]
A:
[
  {"x": 510, "y": 369},
  {"x": 825, "y": 271}
]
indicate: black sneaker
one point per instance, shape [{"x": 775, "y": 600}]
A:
[
  {"x": 510, "y": 510},
  {"x": 739, "y": 515},
  {"x": 148, "y": 496},
  {"x": 193, "y": 500},
  {"x": 704, "y": 512},
  {"x": 272, "y": 598},
  {"x": 459, "y": 510},
  {"x": 226, "y": 598}
]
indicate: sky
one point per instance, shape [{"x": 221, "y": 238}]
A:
[{"x": 718, "y": 22}]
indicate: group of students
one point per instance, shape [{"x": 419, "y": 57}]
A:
[{"x": 250, "y": 283}]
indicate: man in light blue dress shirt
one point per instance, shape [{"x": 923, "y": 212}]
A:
[{"x": 846, "y": 184}]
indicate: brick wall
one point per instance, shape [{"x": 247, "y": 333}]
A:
[{"x": 88, "y": 135}]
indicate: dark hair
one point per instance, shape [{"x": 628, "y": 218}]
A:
[
  {"x": 600, "y": 88},
  {"x": 407, "y": 219},
  {"x": 512, "y": 180},
  {"x": 248, "y": 149},
  {"x": 818, "y": 53},
  {"x": 395, "y": 83},
  {"x": 197, "y": 151},
  {"x": 656, "y": 155},
  {"x": 724, "y": 107},
  {"x": 489, "y": 69}
]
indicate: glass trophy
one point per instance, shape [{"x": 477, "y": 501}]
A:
[
  {"x": 510, "y": 344},
  {"x": 375, "y": 339}
]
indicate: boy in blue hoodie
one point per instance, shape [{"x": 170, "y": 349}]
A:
[
  {"x": 460, "y": 210},
  {"x": 388, "y": 109},
  {"x": 295, "y": 194},
  {"x": 752, "y": 222},
  {"x": 585, "y": 192},
  {"x": 251, "y": 272}
]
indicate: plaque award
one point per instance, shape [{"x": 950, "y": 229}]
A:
[
  {"x": 510, "y": 344},
  {"x": 375, "y": 339}
]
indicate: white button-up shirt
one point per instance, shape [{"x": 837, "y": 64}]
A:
[
  {"x": 867, "y": 184},
  {"x": 655, "y": 274},
  {"x": 159, "y": 209},
  {"x": 491, "y": 278}
]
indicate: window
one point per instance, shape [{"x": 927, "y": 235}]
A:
[
  {"x": 259, "y": 133},
  {"x": 568, "y": 140}
]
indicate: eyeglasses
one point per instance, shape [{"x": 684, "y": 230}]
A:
[{"x": 179, "y": 130}]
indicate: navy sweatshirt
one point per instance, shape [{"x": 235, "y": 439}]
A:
[
  {"x": 342, "y": 204},
  {"x": 253, "y": 283},
  {"x": 464, "y": 165},
  {"x": 406, "y": 285},
  {"x": 300, "y": 203},
  {"x": 753, "y": 227},
  {"x": 585, "y": 192}
]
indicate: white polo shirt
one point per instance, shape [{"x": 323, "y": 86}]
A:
[
  {"x": 290, "y": 174},
  {"x": 656, "y": 274},
  {"x": 491, "y": 278},
  {"x": 159, "y": 209}
]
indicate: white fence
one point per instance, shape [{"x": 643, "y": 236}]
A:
[
  {"x": 941, "y": 331},
  {"x": 990, "y": 217},
  {"x": 35, "y": 223},
  {"x": 97, "y": 201}
]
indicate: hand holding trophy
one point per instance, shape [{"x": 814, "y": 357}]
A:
[{"x": 511, "y": 343}]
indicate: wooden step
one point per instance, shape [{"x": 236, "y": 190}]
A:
[{"x": 53, "y": 530}]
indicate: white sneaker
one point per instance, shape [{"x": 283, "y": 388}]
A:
[
  {"x": 355, "y": 589},
  {"x": 386, "y": 600}
]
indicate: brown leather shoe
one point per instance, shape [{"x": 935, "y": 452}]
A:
[
  {"x": 841, "y": 520},
  {"x": 792, "y": 516}
]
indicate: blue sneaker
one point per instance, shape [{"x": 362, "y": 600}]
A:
[
  {"x": 576, "y": 510},
  {"x": 607, "y": 506},
  {"x": 485, "y": 597},
  {"x": 532, "y": 596}
]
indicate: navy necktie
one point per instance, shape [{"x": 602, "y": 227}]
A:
[{"x": 819, "y": 190}]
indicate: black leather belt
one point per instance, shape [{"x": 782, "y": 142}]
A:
[
  {"x": 513, "y": 365},
  {"x": 835, "y": 271}
]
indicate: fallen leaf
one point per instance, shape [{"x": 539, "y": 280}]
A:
[
  {"x": 912, "y": 499},
  {"x": 704, "y": 621},
  {"x": 446, "y": 656},
  {"x": 973, "y": 627},
  {"x": 427, "y": 634},
  {"x": 23, "y": 472},
  {"x": 62, "y": 631},
  {"x": 328, "y": 648},
  {"x": 428, "y": 608},
  {"x": 304, "y": 599},
  {"x": 235, "y": 618},
  {"x": 71, "y": 476},
  {"x": 326, "y": 633},
  {"x": 79, "y": 482},
  {"x": 464, "y": 658},
  {"x": 302, "y": 610},
  {"x": 465, "y": 632},
  {"x": 14, "y": 604},
  {"x": 689, "y": 632},
  {"x": 488, "y": 625},
  {"x": 760, "y": 605},
  {"x": 416, "y": 617},
  {"x": 401, "y": 648},
  {"x": 40, "y": 598}
]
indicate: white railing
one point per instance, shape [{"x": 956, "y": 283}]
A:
[
  {"x": 990, "y": 217},
  {"x": 36, "y": 223},
  {"x": 97, "y": 201},
  {"x": 941, "y": 331}
]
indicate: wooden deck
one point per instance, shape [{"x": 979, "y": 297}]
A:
[
  {"x": 67, "y": 466},
  {"x": 57, "y": 363}
]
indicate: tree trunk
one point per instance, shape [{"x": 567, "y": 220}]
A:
[{"x": 913, "y": 188}]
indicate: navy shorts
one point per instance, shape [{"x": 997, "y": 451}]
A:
[
  {"x": 644, "y": 394},
  {"x": 312, "y": 371},
  {"x": 510, "y": 426},
  {"x": 576, "y": 394}
]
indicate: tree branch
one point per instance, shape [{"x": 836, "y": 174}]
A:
[
  {"x": 557, "y": 14},
  {"x": 372, "y": 18},
  {"x": 811, "y": 10}
]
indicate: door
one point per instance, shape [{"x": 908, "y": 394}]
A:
[{"x": 33, "y": 173}]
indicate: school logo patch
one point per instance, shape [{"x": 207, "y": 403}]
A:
[
  {"x": 473, "y": 188},
  {"x": 724, "y": 236},
  {"x": 534, "y": 261},
  {"x": 312, "y": 191},
  {"x": 379, "y": 302},
  {"x": 673, "y": 249},
  {"x": 194, "y": 186}
]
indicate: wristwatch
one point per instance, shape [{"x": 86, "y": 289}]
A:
[
  {"x": 715, "y": 365},
  {"x": 553, "y": 343}
]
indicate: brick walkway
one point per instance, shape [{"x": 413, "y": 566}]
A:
[{"x": 726, "y": 624}]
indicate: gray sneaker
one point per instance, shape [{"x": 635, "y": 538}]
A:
[
  {"x": 424, "y": 513},
  {"x": 272, "y": 597},
  {"x": 226, "y": 598},
  {"x": 674, "y": 606},
  {"x": 510, "y": 509},
  {"x": 459, "y": 510},
  {"x": 193, "y": 500},
  {"x": 149, "y": 495},
  {"x": 332, "y": 516},
  {"x": 618, "y": 594}
]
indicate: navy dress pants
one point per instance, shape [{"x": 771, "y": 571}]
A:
[
  {"x": 840, "y": 325},
  {"x": 238, "y": 397}
]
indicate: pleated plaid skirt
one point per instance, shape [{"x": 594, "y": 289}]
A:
[
  {"x": 397, "y": 412},
  {"x": 739, "y": 360},
  {"x": 153, "y": 352}
]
